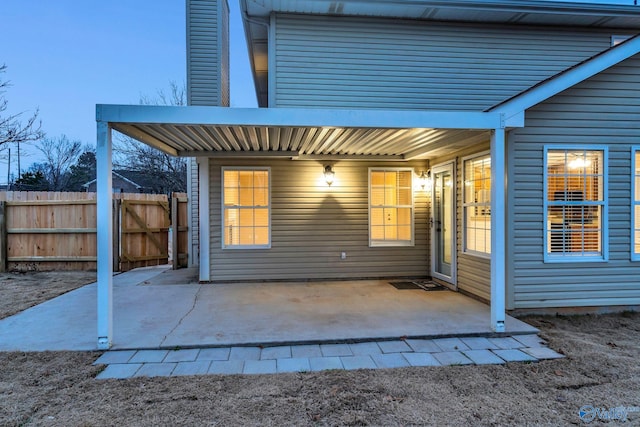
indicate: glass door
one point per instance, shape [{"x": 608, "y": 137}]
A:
[{"x": 443, "y": 224}]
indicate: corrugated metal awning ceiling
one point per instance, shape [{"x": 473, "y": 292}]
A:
[
  {"x": 302, "y": 142},
  {"x": 300, "y": 133}
]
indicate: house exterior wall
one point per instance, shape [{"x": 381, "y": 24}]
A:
[
  {"x": 602, "y": 110},
  {"x": 208, "y": 52},
  {"x": 344, "y": 62},
  {"x": 313, "y": 223},
  {"x": 473, "y": 272},
  {"x": 207, "y": 83}
]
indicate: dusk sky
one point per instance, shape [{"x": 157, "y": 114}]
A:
[{"x": 66, "y": 56}]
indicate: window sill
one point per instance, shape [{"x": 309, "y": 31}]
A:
[
  {"x": 391, "y": 244},
  {"x": 554, "y": 259},
  {"x": 235, "y": 248}
]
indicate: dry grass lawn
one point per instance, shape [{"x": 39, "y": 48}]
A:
[
  {"x": 19, "y": 291},
  {"x": 601, "y": 368}
]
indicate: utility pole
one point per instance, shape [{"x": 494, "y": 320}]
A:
[{"x": 19, "y": 171}]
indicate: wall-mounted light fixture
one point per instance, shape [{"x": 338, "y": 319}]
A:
[
  {"x": 425, "y": 179},
  {"x": 329, "y": 175}
]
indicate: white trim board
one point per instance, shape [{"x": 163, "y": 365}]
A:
[{"x": 298, "y": 117}]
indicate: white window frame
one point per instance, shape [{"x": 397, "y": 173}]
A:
[
  {"x": 393, "y": 243},
  {"x": 465, "y": 205},
  {"x": 568, "y": 257},
  {"x": 635, "y": 256},
  {"x": 223, "y": 207}
]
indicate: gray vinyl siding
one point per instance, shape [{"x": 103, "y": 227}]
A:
[
  {"x": 208, "y": 52},
  {"x": 193, "y": 212},
  {"x": 225, "y": 99},
  {"x": 473, "y": 272},
  {"x": 603, "y": 110},
  {"x": 312, "y": 225},
  {"x": 341, "y": 62}
]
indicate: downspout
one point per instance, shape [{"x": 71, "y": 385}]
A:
[{"x": 263, "y": 22}]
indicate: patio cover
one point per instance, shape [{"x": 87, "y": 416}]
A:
[{"x": 298, "y": 134}]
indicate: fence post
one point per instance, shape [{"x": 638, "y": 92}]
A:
[
  {"x": 3, "y": 237},
  {"x": 174, "y": 231},
  {"x": 116, "y": 234}
]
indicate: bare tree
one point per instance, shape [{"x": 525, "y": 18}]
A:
[
  {"x": 60, "y": 154},
  {"x": 12, "y": 129},
  {"x": 167, "y": 173},
  {"x": 177, "y": 96}
]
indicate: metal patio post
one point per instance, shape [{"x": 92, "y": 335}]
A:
[
  {"x": 105, "y": 236},
  {"x": 498, "y": 229}
]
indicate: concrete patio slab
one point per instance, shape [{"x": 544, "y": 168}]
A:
[
  {"x": 450, "y": 344},
  {"x": 365, "y": 348},
  {"x": 122, "y": 356},
  {"x": 325, "y": 363},
  {"x": 297, "y": 364},
  {"x": 309, "y": 350},
  {"x": 119, "y": 371},
  {"x": 372, "y": 357},
  {"x": 244, "y": 353},
  {"x": 421, "y": 359},
  {"x": 530, "y": 340},
  {"x": 336, "y": 350},
  {"x": 149, "y": 356},
  {"x": 452, "y": 358},
  {"x": 478, "y": 343},
  {"x": 192, "y": 368},
  {"x": 483, "y": 357},
  {"x": 259, "y": 367},
  {"x": 155, "y": 370},
  {"x": 424, "y": 346},
  {"x": 280, "y": 352},
  {"x": 159, "y": 308},
  {"x": 214, "y": 354},
  {"x": 187, "y": 355},
  {"x": 514, "y": 355},
  {"x": 542, "y": 353},
  {"x": 505, "y": 343},
  {"x": 226, "y": 367},
  {"x": 357, "y": 362},
  {"x": 391, "y": 360},
  {"x": 393, "y": 346}
]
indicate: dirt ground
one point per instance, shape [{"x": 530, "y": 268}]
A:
[
  {"x": 19, "y": 291},
  {"x": 602, "y": 369}
]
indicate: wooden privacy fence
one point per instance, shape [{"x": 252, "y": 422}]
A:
[
  {"x": 179, "y": 230},
  {"x": 58, "y": 231}
]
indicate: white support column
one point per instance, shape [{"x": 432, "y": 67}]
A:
[
  {"x": 105, "y": 236},
  {"x": 203, "y": 208},
  {"x": 498, "y": 229}
]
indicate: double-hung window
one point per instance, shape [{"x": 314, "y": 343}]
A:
[
  {"x": 391, "y": 207},
  {"x": 635, "y": 204},
  {"x": 575, "y": 204},
  {"x": 476, "y": 204},
  {"x": 246, "y": 208}
]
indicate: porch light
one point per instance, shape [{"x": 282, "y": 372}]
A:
[
  {"x": 425, "y": 179},
  {"x": 329, "y": 174}
]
